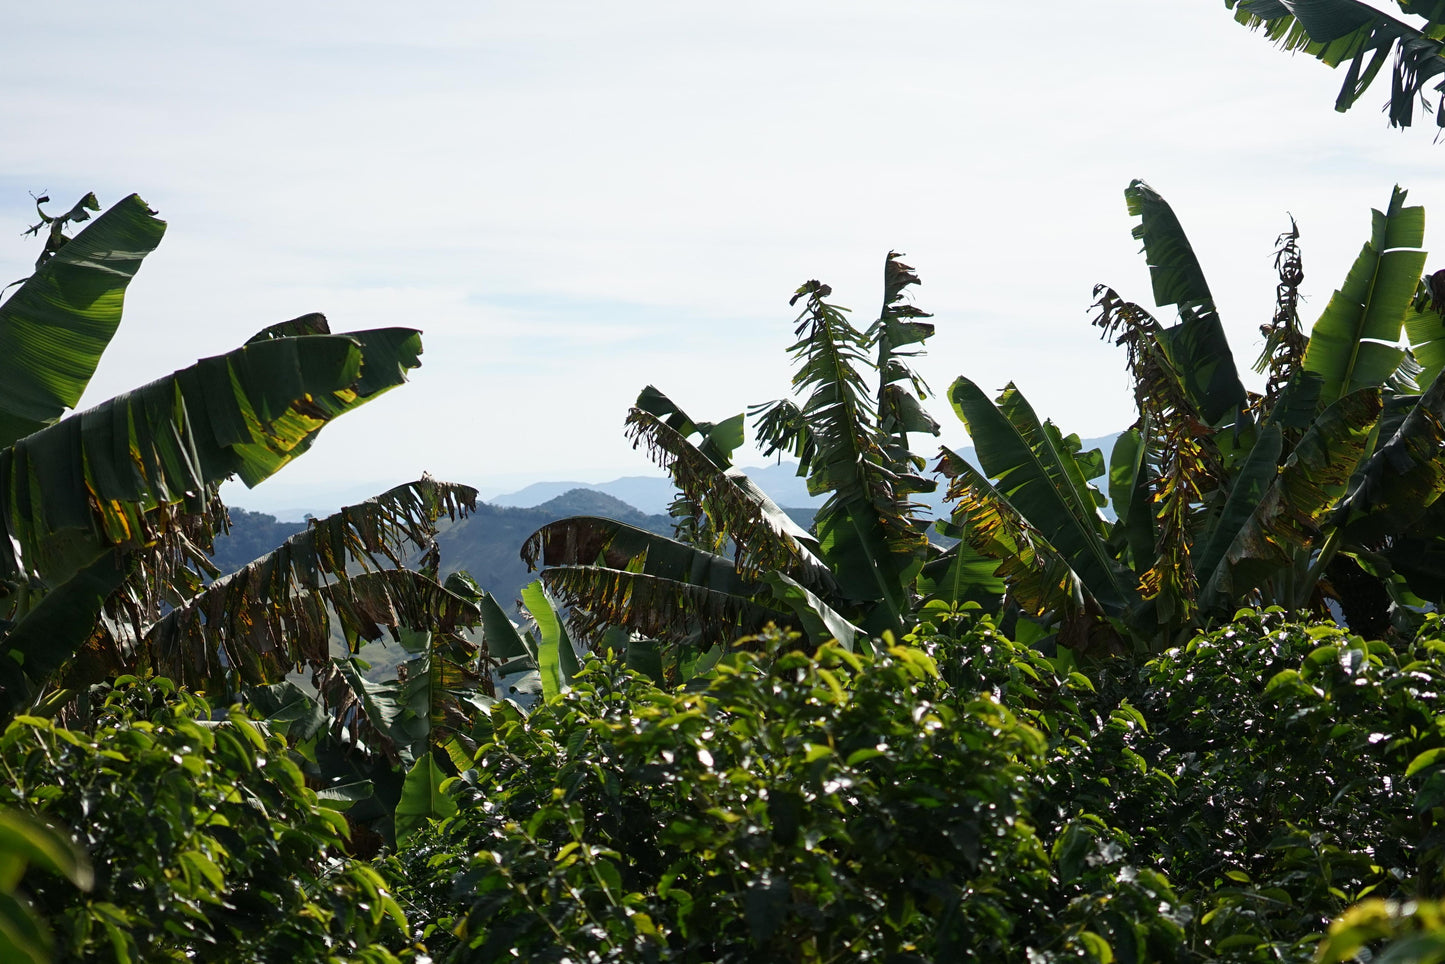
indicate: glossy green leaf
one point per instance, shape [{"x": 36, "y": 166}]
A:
[
  {"x": 1040, "y": 477},
  {"x": 422, "y": 798},
  {"x": 556, "y": 659},
  {"x": 1353, "y": 345},
  {"x": 55, "y": 327},
  {"x": 1196, "y": 347},
  {"x": 91, "y": 481}
]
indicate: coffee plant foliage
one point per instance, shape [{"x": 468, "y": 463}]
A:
[
  {"x": 956, "y": 797},
  {"x": 206, "y": 843}
]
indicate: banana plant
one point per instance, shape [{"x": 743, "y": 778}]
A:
[
  {"x": 739, "y": 561},
  {"x": 1363, "y": 38},
  {"x": 1223, "y": 497},
  {"x": 108, "y": 511}
]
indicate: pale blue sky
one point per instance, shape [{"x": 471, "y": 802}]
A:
[{"x": 573, "y": 200}]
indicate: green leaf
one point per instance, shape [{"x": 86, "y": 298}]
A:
[
  {"x": 766, "y": 537},
  {"x": 1349, "y": 32},
  {"x": 1427, "y": 759},
  {"x": 1353, "y": 344},
  {"x": 717, "y": 440},
  {"x": 422, "y": 798},
  {"x": 1196, "y": 347},
  {"x": 1246, "y": 490},
  {"x": 43, "y": 846},
  {"x": 1288, "y": 518},
  {"x": 1037, "y": 472},
  {"x": 1402, "y": 478},
  {"x": 90, "y": 482},
  {"x": 55, "y": 327},
  {"x": 819, "y": 620},
  {"x": 1131, "y": 498},
  {"x": 556, "y": 659},
  {"x": 503, "y": 639},
  {"x": 279, "y": 611}
]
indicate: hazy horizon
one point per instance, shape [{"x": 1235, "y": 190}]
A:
[{"x": 573, "y": 202}]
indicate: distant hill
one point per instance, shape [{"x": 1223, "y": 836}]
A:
[
  {"x": 651, "y": 496},
  {"x": 487, "y": 543}
]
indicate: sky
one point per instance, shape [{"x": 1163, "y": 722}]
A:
[{"x": 575, "y": 200}]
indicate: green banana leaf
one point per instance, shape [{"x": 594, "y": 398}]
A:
[
  {"x": 961, "y": 573},
  {"x": 503, "y": 640},
  {"x": 1246, "y": 490},
  {"x": 718, "y": 440},
  {"x": 1425, "y": 329},
  {"x": 900, "y": 389},
  {"x": 1350, "y": 32},
  {"x": 869, "y": 533},
  {"x": 368, "y": 718},
  {"x": 288, "y": 709},
  {"x": 110, "y": 476},
  {"x": 556, "y": 657},
  {"x": 422, "y": 798},
  {"x": 1289, "y": 519},
  {"x": 1353, "y": 345},
  {"x": 1405, "y": 475},
  {"x": 1132, "y": 498},
  {"x": 40, "y": 642},
  {"x": 55, "y": 327},
  {"x": 252, "y": 626},
  {"x": 820, "y": 622},
  {"x": 1032, "y": 570},
  {"x": 1037, "y": 473},
  {"x": 1196, "y": 347}
]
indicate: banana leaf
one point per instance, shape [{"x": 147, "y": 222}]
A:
[
  {"x": 369, "y": 718},
  {"x": 1425, "y": 329},
  {"x": 1039, "y": 476},
  {"x": 1288, "y": 520},
  {"x": 1196, "y": 347},
  {"x": 110, "y": 476},
  {"x": 503, "y": 640},
  {"x": 55, "y": 327},
  {"x": 271, "y": 616},
  {"x": 1247, "y": 489},
  {"x": 422, "y": 798},
  {"x": 1353, "y": 345},
  {"x": 870, "y": 535},
  {"x": 820, "y": 622},
  {"x": 556, "y": 657},
  {"x": 1131, "y": 497},
  {"x": 1037, "y": 576},
  {"x": 1402, "y": 478},
  {"x": 900, "y": 389},
  {"x": 766, "y": 537},
  {"x": 1349, "y": 32},
  {"x": 961, "y": 573},
  {"x": 613, "y": 574},
  {"x": 227, "y": 640},
  {"x": 718, "y": 440},
  {"x": 666, "y": 609}
]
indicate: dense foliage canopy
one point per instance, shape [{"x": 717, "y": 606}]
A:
[{"x": 1190, "y": 713}]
